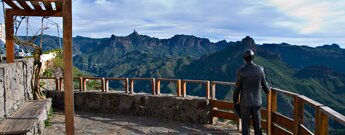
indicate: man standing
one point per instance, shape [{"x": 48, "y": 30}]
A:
[{"x": 249, "y": 78}]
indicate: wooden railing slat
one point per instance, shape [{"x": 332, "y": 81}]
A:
[
  {"x": 225, "y": 115},
  {"x": 222, "y": 104},
  {"x": 282, "y": 120},
  {"x": 280, "y": 131},
  {"x": 304, "y": 131}
]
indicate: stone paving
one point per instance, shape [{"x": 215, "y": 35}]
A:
[{"x": 106, "y": 124}]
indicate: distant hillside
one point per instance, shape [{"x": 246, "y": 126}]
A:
[{"x": 314, "y": 72}]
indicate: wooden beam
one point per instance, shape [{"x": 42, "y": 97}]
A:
[
  {"x": 48, "y": 6},
  {"x": 24, "y": 5},
  {"x": 9, "y": 36},
  {"x": 58, "y": 6},
  {"x": 36, "y": 5},
  {"x": 11, "y": 4},
  {"x": 68, "y": 67},
  {"x": 19, "y": 12}
]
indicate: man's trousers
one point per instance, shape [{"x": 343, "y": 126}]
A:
[{"x": 246, "y": 114}]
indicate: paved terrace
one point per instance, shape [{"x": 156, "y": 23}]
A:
[{"x": 104, "y": 124}]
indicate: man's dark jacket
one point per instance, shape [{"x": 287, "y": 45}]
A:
[{"x": 249, "y": 78}]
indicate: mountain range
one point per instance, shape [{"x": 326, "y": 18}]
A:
[{"x": 316, "y": 72}]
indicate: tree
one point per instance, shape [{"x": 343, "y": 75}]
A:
[{"x": 35, "y": 81}]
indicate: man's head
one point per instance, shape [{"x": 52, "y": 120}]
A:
[{"x": 248, "y": 55}]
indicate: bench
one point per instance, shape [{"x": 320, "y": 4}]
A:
[{"x": 28, "y": 119}]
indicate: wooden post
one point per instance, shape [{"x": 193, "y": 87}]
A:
[
  {"x": 158, "y": 86},
  {"x": 57, "y": 84},
  {"x": 298, "y": 114},
  {"x": 60, "y": 83},
  {"x": 85, "y": 83},
  {"x": 323, "y": 124},
  {"x": 126, "y": 85},
  {"x": 9, "y": 36},
  {"x": 184, "y": 87},
  {"x": 131, "y": 86},
  {"x": 68, "y": 67},
  {"x": 213, "y": 91},
  {"x": 103, "y": 84},
  {"x": 153, "y": 83},
  {"x": 271, "y": 101},
  {"x": 317, "y": 120},
  {"x": 208, "y": 90},
  {"x": 80, "y": 83},
  {"x": 106, "y": 85},
  {"x": 178, "y": 87}
]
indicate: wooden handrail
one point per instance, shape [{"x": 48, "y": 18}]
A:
[
  {"x": 153, "y": 83},
  {"x": 322, "y": 113},
  {"x": 184, "y": 86},
  {"x": 177, "y": 81}
]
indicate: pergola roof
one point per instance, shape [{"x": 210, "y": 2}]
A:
[{"x": 36, "y": 7}]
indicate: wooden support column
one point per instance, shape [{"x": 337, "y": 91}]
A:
[
  {"x": 208, "y": 90},
  {"x": 158, "y": 86},
  {"x": 9, "y": 36},
  {"x": 184, "y": 87},
  {"x": 68, "y": 67},
  {"x": 323, "y": 124},
  {"x": 298, "y": 114},
  {"x": 178, "y": 87}
]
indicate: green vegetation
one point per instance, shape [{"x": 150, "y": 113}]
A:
[{"x": 47, "y": 122}]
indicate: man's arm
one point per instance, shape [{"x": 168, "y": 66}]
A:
[
  {"x": 237, "y": 88},
  {"x": 264, "y": 83}
]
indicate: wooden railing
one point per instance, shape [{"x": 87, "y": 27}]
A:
[{"x": 272, "y": 121}]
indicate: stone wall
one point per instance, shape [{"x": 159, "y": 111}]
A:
[
  {"x": 189, "y": 109},
  {"x": 15, "y": 85}
]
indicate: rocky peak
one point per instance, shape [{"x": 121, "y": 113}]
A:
[{"x": 134, "y": 34}]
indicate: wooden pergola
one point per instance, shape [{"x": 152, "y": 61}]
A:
[{"x": 46, "y": 8}]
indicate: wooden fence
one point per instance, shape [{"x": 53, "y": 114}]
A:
[{"x": 272, "y": 121}]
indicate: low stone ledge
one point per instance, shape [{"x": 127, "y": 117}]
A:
[{"x": 189, "y": 109}]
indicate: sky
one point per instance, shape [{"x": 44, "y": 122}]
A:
[{"x": 300, "y": 22}]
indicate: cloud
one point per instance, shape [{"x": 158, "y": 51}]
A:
[{"x": 267, "y": 21}]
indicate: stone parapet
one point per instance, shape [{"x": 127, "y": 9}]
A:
[
  {"x": 15, "y": 87},
  {"x": 184, "y": 109}
]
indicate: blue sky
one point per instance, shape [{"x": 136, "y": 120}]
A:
[{"x": 302, "y": 22}]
